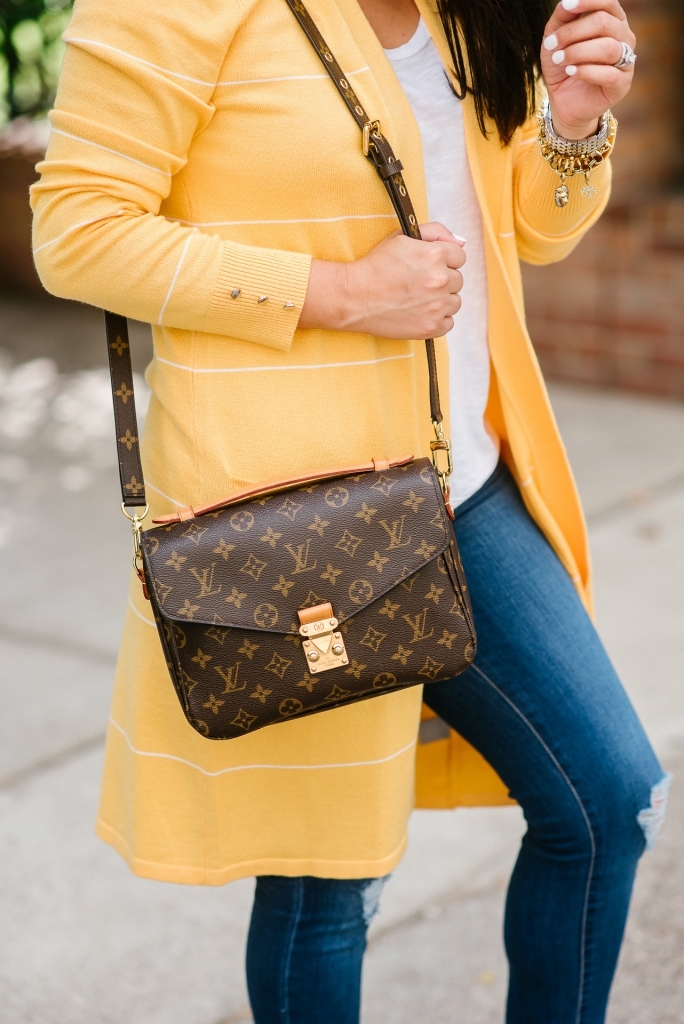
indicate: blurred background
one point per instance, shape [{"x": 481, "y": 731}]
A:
[{"x": 84, "y": 942}]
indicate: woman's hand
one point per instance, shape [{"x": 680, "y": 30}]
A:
[
  {"x": 403, "y": 288},
  {"x": 582, "y": 43}
]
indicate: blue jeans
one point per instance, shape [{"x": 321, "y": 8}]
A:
[{"x": 544, "y": 706}]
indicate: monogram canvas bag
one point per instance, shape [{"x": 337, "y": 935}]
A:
[{"x": 302, "y": 595}]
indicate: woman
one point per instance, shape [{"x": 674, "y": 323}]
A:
[{"x": 204, "y": 175}]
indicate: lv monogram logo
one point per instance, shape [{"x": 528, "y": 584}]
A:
[
  {"x": 205, "y": 578},
  {"x": 301, "y": 557},
  {"x": 230, "y": 677},
  {"x": 395, "y": 532},
  {"x": 417, "y": 623}
]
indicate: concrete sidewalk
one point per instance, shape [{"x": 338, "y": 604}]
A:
[{"x": 84, "y": 942}]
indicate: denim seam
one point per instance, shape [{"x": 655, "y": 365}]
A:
[
  {"x": 287, "y": 961},
  {"x": 587, "y": 822}
]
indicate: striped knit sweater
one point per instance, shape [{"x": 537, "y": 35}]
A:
[{"x": 200, "y": 157}]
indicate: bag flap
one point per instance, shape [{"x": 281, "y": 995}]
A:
[{"x": 347, "y": 541}]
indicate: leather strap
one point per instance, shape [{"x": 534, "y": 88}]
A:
[
  {"x": 380, "y": 154},
  {"x": 389, "y": 169},
  {"x": 127, "y": 442}
]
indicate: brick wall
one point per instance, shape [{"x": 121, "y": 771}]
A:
[{"x": 613, "y": 312}]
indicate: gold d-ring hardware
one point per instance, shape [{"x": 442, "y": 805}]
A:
[
  {"x": 369, "y": 126},
  {"x": 136, "y": 527},
  {"x": 442, "y": 444}
]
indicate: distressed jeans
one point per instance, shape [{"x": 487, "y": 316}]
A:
[{"x": 544, "y": 706}]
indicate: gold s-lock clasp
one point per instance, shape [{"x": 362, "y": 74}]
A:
[{"x": 323, "y": 644}]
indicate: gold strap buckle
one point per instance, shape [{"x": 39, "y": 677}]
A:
[
  {"x": 442, "y": 444},
  {"x": 369, "y": 126}
]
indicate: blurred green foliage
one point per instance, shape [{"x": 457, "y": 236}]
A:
[{"x": 31, "y": 53}]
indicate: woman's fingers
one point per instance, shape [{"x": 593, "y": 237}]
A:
[
  {"x": 594, "y": 26},
  {"x": 455, "y": 282},
  {"x": 594, "y": 51},
  {"x": 452, "y": 254},
  {"x": 610, "y": 79},
  {"x": 436, "y": 232},
  {"x": 569, "y": 11},
  {"x": 582, "y": 44}
]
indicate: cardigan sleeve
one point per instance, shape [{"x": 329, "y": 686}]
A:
[
  {"x": 545, "y": 232},
  {"x": 135, "y": 90}
]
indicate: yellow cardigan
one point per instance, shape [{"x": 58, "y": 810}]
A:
[{"x": 198, "y": 147}]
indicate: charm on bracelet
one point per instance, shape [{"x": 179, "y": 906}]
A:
[
  {"x": 568, "y": 157},
  {"x": 562, "y": 193},
  {"x": 588, "y": 191}
]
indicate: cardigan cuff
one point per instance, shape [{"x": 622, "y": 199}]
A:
[
  {"x": 536, "y": 191},
  {"x": 258, "y": 295}
]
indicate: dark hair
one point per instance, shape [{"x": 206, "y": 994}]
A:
[{"x": 502, "y": 40}]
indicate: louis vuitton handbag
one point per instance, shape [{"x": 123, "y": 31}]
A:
[{"x": 312, "y": 593}]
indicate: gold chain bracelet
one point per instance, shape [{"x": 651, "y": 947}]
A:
[{"x": 568, "y": 156}]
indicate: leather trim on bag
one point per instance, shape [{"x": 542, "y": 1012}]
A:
[{"x": 274, "y": 486}]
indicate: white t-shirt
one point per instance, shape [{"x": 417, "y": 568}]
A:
[{"x": 452, "y": 201}]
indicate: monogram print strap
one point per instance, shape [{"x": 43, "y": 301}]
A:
[
  {"x": 127, "y": 442},
  {"x": 378, "y": 150}
]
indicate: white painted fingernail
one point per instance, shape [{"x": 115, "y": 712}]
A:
[
  {"x": 571, "y": 70},
  {"x": 558, "y": 57},
  {"x": 551, "y": 42},
  {"x": 460, "y": 239},
  {"x": 570, "y": 5}
]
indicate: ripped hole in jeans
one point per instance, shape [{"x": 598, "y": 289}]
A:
[
  {"x": 651, "y": 818},
  {"x": 370, "y": 894}
]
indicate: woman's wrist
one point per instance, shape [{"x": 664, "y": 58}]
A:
[
  {"x": 574, "y": 132},
  {"x": 568, "y": 157},
  {"x": 327, "y": 303}
]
